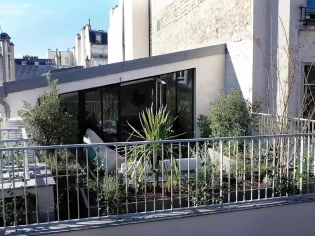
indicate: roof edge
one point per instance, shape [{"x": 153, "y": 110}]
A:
[{"x": 115, "y": 68}]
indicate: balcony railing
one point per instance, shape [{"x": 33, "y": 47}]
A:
[
  {"x": 307, "y": 15},
  {"x": 122, "y": 180},
  {"x": 268, "y": 124},
  {"x": 99, "y": 55}
]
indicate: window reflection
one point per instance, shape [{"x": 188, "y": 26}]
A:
[
  {"x": 70, "y": 104},
  {"x": 110, "y": 113},
  {"x": 185, "y": 103},
  {"x": 93, "y": 111},
  {"x": 108, "y": 110},
  {"x": 134, "y": 98}
]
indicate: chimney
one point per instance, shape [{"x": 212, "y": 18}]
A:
[
  {"x": 12, "y": 62},
  {"x": 87, "y": 62},
  {"x": 59, "y": 59}
]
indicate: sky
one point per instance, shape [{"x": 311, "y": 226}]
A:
[{"x": 37, "y": 25}]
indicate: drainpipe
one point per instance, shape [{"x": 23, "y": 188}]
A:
[{"x": 6, "y": 108}]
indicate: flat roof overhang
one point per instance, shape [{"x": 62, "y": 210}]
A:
[{"x": 110, "y": 69}]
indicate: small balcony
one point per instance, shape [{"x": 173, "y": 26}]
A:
[
  {"x": 307, "y": 15},
  {"x": 99, "y": 55}
]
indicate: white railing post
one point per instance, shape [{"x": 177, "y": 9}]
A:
[
  {"x": 1, "y": 167},
  {"x": 26, "y": 159}
]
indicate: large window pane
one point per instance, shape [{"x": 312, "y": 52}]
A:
[
  {"x": 93, "y": 111},
  {"x": 134, "y": 98},
  {"x": 170, "y": 80},
  {"x": 185, "y": 86},
  {"x": 309, "y": 71},
  {"x": 70, "y": 103},
  {"x": 309, "y": 102},
  {"x": 110, "y": 113}
]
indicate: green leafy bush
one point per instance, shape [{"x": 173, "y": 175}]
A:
[
  {"x": 229, "y": 115},
  {"x": 47, "y": 123},
  {"x": 204, "y": 126}
]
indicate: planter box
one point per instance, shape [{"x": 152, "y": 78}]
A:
[{"x": 141, "y": 206}]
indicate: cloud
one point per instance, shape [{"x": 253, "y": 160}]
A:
[{"x": 11, "y": 9}]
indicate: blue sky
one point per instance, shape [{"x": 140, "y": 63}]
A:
[{"x": 36, "y": 25}]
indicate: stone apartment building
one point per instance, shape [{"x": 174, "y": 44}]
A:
[
  {"x": 258, "y": 34},
  {"x": 91, "y": 47},
  {"x": 62, "y": 59}
]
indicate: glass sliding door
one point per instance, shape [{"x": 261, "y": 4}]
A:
[
  {"x": 185, "y": 86},
  {"x": 70, "y": 104},
  {"x": 109, "y": 110},
  {"x": 135, "y": 97},
  {"x": 93, "y": 111},
  {"x": 110, "y": 113}
]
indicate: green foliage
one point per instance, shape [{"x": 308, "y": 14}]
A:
[
  {"x": 229, "y": 116},
  {"x": 111, "y": 194},
  {"x": 201, "y": 189},
  {"x": 47, "y": 123},
  {"x": 155, "y": 126},
  {"x": 20, "y": 212},
  {"x": 204, "y": 126}
]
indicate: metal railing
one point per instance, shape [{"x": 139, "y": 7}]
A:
[
  {"x": 99, "y": 55},
  {"x": 307, "y": 15},
  {"x": 267, "y": 124},
  {"x": 121, "y": 180}
]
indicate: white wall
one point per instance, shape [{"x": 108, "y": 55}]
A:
[
  {"x": 136, "y": 29},
  {"x": 209, "y": 82},
  {"x": 239, "y": 69},
  {"x": 115, "y": 34},
  {"x": 129, "y": 31},
  {"x": 288, "y": 39}
]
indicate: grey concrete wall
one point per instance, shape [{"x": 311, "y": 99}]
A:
[
  {"x": 290, "y": 220},
  {"x": 187, "y": 24}
]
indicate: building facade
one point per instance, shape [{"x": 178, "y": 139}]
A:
[
  {"x": 62, "y": 59},
  {"x": 91, "y": 47},
  {"x": 128, "y": 33},
  {"x": 258, "y": 34}
]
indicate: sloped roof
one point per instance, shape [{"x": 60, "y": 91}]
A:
[
  {"x": 31, "y": 71},
  {"x": 93, "y": 37}
]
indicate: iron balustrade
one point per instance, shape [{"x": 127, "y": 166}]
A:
[
  {"x": 268, "y": 124},
  {"x": 120, "y": 180}
]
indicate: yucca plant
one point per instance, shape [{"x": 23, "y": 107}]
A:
[{"x": 146, "y": 158}]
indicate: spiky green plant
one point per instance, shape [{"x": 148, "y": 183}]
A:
[{"x": 156, "y": 126}]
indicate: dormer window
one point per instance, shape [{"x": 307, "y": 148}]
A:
[
  {"x": 23, "y": 63},
  {"x": 98, "y": 38}
]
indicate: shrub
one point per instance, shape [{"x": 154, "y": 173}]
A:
[
  {"x": 204, "y": 126},
  {"x": 229, "y": 115},
  {"x": 47, "y": 123}
]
